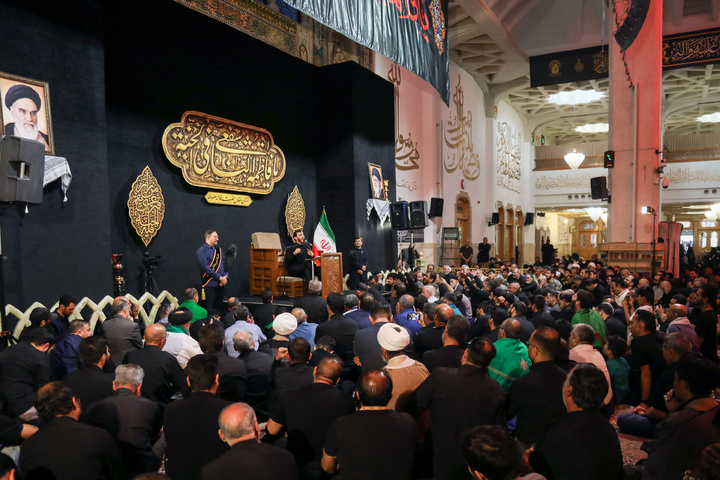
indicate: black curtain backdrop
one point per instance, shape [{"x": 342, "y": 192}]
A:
[{"x": 120, "y": 72}]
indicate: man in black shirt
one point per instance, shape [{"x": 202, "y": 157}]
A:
[
  {"x": 536, "y": 398},
  {"x": 313, "y": 303},
  {"x": 646, "y": 359},
  {"x": 163, "y": 375},
  {"x": 454, "y": 341},
  {"x": 483, "y": 255},
  {"x": 374, "y": 442},
  {"x": 191, "y": 424},
  {"x": 306, "y": 413},
  {"x": 297, "y": 374},
  {"x": 232, "y": 371},
  {"x": 297, "y": 255},
  {"x": 459, "y": 399},
  {"x": 339, "y": 327},
  {"x": 430, "y": 336},
  {"x": 263, "y": 314},
  {"x": 704, "y": 299},
  {"x": 25, "y": 368},
  {"x": 90, "y": 383},
  {"x": 61, "y": 316},
  {"x": 65, "y": 449}
]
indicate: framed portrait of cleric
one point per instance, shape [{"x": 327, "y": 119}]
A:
[
  {"x": 377, "y": 187},
  {"x": 25, "y": 110}
]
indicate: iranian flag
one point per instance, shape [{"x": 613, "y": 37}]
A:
[{"x": 323, "y": 239}]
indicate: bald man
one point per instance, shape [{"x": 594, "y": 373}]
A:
[
  {"x": 163, "y": 375},
  {"x": 677, "y": 321},
  {"x": 259, "y": 461}
]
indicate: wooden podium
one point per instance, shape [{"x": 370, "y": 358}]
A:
[{"x": 332, "y": 273}]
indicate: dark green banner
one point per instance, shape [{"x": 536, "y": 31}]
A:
[{"x": 412, "y": 33}]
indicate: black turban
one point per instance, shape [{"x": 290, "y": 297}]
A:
[{"x": 17, "y": 92}]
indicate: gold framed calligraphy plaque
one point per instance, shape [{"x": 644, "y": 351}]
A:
[
  {"x": 295, "y": 212},
  {"x": 232, "y": 199},
  {"x": 146, "y": 206},
  {"x": 217, "y": 153}
]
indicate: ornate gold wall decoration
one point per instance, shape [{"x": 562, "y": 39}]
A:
[
  {"x": 217, "y": 153},
  {"x": 458, "y": 136},
  {"x": 508, "y": 167},
  {"x": 295, "y": 212},
  {"x": 146, "y": 206},
  {"x": 218, "y": 198},
  {"x": 406, "y": 151}
]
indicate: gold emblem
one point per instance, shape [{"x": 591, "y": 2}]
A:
[
  {"x": 146, "y": 206},
  {"x": 579, "y": 67},
  {"x": 555, "y": 68},
  {"x": 295, "y": 212},
  {"x": 600, "y": 61},
  {"x": 217, "y": 153},
  {"x": 218, "y": 198}
]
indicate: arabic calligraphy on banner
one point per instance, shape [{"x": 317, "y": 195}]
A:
[
  {"x": 217, "y": 153},
  {"x": 458, "y": 136},
  {"x": 687, "y": 175},
  {"x": 146, "y": 206},
  {"x": 564, "y": 182},
  {"x": 508, "y": 167},
  {"x": 698, "y": 47},
  {"x": 406, "y": 151},
  {"x": 218, "y": 198}
]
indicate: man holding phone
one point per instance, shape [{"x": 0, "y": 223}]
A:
[{"x": 406, "y": 315}]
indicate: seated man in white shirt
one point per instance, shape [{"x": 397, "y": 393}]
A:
[{"x": 179, "y": 343}]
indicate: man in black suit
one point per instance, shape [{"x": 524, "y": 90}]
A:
[
  {"x": 259, "y": 461},
  {"x": 121, "y": 331},
  {"x": 313, "y": 303},
  {"x": 263, "y": 314},
  {"x": 366, "y": 348},
  {"x": 339, "y": 327},
  {"x": 258, "y": 365},
  {"x": 132, "y": 420},
  {"x": 90, "y": 383},
  {"x": 191, "y": 425},
  {"x": 60, "y": 320},
  {"x": 65, "y": 449},
  {"x": 454, "y": 341},
  {"x": 232, "y": 371},
  {"x": 163, "y": 375},
  {"x": 297, "y": 256}
]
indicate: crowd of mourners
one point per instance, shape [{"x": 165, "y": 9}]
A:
[{"x": 499, "y": 372}]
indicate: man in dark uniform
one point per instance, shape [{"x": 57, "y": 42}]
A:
[
  {"x": 407, "y": 257},
  {"x": 297, "y": 255},
  {"x": 548, "y": 253},
  {"x": 358, "y": 263},
  {"x": 212, "y": 270}
]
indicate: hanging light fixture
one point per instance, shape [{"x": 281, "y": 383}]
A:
[
  {"x": 710, "y": 215},
  {"x": 715, "y": 209},
  {"x": 595, "y": 213},
  {"x": 604, "y": 217},
  {"x": 575, "y": 158}
]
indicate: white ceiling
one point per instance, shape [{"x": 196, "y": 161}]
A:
[{"x": 493, "y": 39}]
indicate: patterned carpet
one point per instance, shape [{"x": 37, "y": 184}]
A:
[{"x": 629, "y": 444}]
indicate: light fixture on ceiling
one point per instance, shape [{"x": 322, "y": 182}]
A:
[
  {"x": 593, "y": 128},
  {"x": 710, "y": 215},
  {"x": 715, "y": 209},
  {"x": 575, "y": 97},
  {"x": 574, "y": 159},
  {"x": 710, "y": 118},
  {"x": 595, "y": 213}
]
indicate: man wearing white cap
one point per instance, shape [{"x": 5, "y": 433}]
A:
[
  {"x": 283, "y": 325},
  {"x": 405, "y": 372}
]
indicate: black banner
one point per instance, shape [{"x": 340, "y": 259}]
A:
[
  {"x": 412, "y": 33},
  {"x": 691, "y": 49},
  {"x": 679, "y": 51}
]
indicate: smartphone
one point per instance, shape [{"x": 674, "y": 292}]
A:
[{"x": 414, "y": 316}]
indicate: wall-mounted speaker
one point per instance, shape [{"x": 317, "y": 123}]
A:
[
  {"x": 436, "y": 207},
  {"x": 529, "y": 218},
  {"x": 631, "y": 26},
  {"x": 399, "y": 216},
  {"x": 495, "y": 218},
  {"x": 598, "y": 187},
  {"x": 22, "y": 167},
  {"x": 418, "y": 217}
]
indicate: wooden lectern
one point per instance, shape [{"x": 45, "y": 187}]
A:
[{"x": 332, "y": 273}]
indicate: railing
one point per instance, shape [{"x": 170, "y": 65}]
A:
[{"x": 95, "y": 310}]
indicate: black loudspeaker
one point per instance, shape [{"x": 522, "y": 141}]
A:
[
  {"x": 22, "y": 167},
  {"x": 495, "y": 218},
  {"x": 418, "y": 216},
  {"x": 529, "y": 218},
  {"x": 436, "y": 207},
  {"x": 399, "y": 218},
  {"x": 598, "y": 187}
]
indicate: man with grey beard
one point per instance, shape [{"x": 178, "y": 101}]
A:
[{"x": 24, "y": 104}]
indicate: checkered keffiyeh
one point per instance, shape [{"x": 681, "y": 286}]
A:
[{"x": 57, "y": 167}]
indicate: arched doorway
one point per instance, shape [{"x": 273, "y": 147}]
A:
[
  {"x": 509, "y": 251},
  {"x": 463, "y": 218},
  {"x": 500, "y": 233},
  {"x": 519, "y": 225},
  {"x": 588, "y": 238}
]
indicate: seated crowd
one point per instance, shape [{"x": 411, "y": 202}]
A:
[{"x": 495, "y": 374}]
